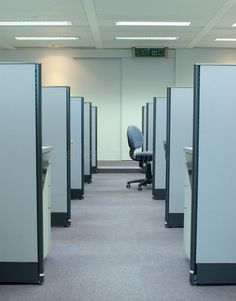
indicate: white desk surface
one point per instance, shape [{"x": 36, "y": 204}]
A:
[
  {"x": 46, "y": 149},
  {"x": 188, "y": 150}
]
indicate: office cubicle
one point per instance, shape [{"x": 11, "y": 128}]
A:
[
  {"x": 178, "y": 135},
  {"x": 56, "y": 133},
  {"x": 88, "y": 142},
  {"x": 94, "y": 140},
  {"x": 144, "y": 127},
  {"x": 159, "y": 137},
  {"x": 149, "y": 128},
  {"x": 77, "y": 147},
  {"x": 213, "y": 242},
  {"x": 21, "y": 205}
]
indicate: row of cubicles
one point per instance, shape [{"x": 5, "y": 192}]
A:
[
  {"x": 191, "y": 133},
  {"x": 49, "y": 148}
]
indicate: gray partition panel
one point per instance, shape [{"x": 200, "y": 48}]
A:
[
  {"x": 21, "y": 219},
  {"x": 159, "y": 136},
  {"x": 179, "y": 135},
  {"x": 88, "y": 142},
  {"x": 144, "y": 127},
  {"x": 94, "y": 139},
  {"x": 150, "y": 126},
  {"x": 77, "y": 151},
  {"x": 56, "y": 133},
  {"x": 213, "y": 242}
]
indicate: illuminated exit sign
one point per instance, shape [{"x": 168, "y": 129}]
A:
[{"x": 150, "y": 52}]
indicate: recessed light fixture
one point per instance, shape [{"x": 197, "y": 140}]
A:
[
  {"x": 47, "y": 38},
  {"x": 35, "y": 23},
  {"x": 234, "y": 25},
  {"x": 225, "y": 40},
  {"x": 144, "y": 23},
  {"x": 148, "y": 38}
]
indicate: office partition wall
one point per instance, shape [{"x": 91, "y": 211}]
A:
[
  {"x": 94, "y": 139},
  {"x": 159, "y": 138},
  {"x": 56, "y": 133},
  {"x": 213, "y": 241},
  {"x": 149, "y": 135},
  {"x": 179, "y": 135},
  {"x": 88, "y": 142},
  {"x": 144, "y": 127},
  {"x": 77, "y": 147},
  {"x": 21, "y": 205}
]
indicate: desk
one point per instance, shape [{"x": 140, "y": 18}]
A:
[
  {"x": 187, "y": 199},
  {"x": 46, "y": 152}
]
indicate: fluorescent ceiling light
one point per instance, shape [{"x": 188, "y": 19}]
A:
[
  {"x": 234, "y": 25},
  {"x": 36, "y": 23},
  {"x": 225, "y": 40},
  {"x": 47, "y": 38},
  {"x": 148, "y": 38},
  {"x": 138, "y": 23}
]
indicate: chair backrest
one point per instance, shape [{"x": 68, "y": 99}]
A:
[{"x": 135, "y": 137}]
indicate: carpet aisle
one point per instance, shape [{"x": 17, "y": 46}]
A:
[{"x": 117, "y": 249}]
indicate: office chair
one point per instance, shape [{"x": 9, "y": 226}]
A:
[{"x": 135, "y": 141}]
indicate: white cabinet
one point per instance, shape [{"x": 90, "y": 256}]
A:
[
  {"x": 187, "y": 199},
  {"x": 46, "y": 200}
]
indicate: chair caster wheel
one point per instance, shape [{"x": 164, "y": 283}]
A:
[
  {"x": 140, "y": 188},
  {"x": 128, "y": 186}
]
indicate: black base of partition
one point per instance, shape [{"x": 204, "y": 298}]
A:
[
  {"x": 60, "y": 219},
  {"x": 214, "y": 273},
  {"x": 77, "y": 194},
  {"x": 94, "y": 169},
  {"x": 159, "y": 194},
  {"x": 20, "y": 272},
  {"x": 175, "y": 220},
  {"x": 118, "y": 170},
  {"x": 88, "y": 179}
]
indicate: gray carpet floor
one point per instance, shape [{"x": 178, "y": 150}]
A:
[
  {"x": 117, "y": 249},
  {"x": 115, "y": 163}
]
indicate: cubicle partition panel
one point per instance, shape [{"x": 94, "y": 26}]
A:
[
  {"x": 144, "y": 127},
  {"x": 77, "y": 148},
  {"x": 21, "y": 205},
  {"x": 179, "y": 135},
  {"x": 149, "y": 135},
  {"x": 94, "y": 140},
  {"x": 88, "y": 142},
  {"x": 159, "y": 137},
  {"x": 213, "y": 240},
  {"x": 56, "y": 133}
]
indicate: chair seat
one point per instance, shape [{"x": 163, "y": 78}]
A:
[{"x": 143, "y": 156}]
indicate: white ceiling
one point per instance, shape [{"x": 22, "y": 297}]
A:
[{"x": 93, "y": 21}]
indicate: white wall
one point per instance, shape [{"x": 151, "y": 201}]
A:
[
  {"x": 186, "y": 58},
  {"x": 117, "y": 83},
  {"x": 99, "y": 81},
  {"x": 142, "y": 79}
]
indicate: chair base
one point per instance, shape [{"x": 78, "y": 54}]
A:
[
  {"x": 142, "y": 182},
  {"x": 135, "y": 181}
]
